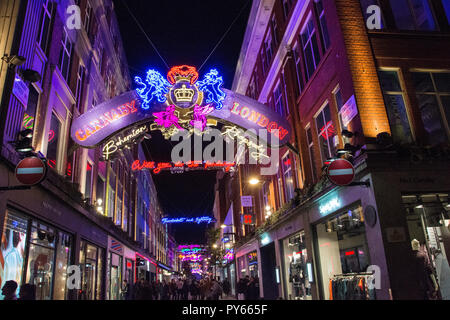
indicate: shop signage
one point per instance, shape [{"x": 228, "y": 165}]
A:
[
  {"x": 348, "y": 111},
  {"x": 157, "y": 167},
  {"x": 341, "y": 172},
  {"x": 330, "y": 206},
  {"x": 31, "y": 171},
  {"x": 247, "y": 201},
  {"x": 168, "y": 102},
  {"x": 21, "y": 90},
  {"x": 116, "y": 246},
  {"x": 197, "y": 220},
  {"x": 248, "y": 219},
  {"x": 120, "y": 141},
  {"x": 252, "y": 258},
  {"x": 265, "y": 239}
]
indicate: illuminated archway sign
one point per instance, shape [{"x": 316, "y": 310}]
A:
[{"x": 181, "y": 102}]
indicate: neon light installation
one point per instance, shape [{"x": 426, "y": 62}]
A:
[
  {"x": 183, "y": 72},
  {"x": 158, "y": 167},
  {"x": 197, "y": 220},
  {"x": 156, "y": 87},
  {"x": 167, "y": 118},
  {"x": 105, "y": 120},
  {"x": 212, "y": 86},
  {"x": 330, "y": 206}
]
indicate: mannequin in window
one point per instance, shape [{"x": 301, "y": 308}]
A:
[{"x": 424, "y": 272}]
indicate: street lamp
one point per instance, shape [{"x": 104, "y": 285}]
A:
[
  {"x": 223, "y": 226},
  {"x": 254, "y": 181},
  {"x": 215, "y": 246}
]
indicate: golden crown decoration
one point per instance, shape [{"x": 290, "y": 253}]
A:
[{"x": 184, "y": 94}]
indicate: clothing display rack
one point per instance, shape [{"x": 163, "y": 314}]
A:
[{"x": 351, "y": 286}]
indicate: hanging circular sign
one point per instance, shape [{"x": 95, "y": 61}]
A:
[{"x": 341, "y": 172}]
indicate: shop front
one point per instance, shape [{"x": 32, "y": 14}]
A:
[
  {"x": 297, "y": 285},
  {"x": 91, "y": 265},
  {"x": 428, "y": 219},
  {"x": 35, "y": 253},
  {"x": 145, "y": 268},
  {"x": 348, "y": 247}
]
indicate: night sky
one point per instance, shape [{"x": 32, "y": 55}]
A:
[{"x": 184, "y": 32}]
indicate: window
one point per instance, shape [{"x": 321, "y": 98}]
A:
[
  {"x": 268, "y": 45},
  {"x": 30, "y": 112},
  {"x": 298, "y": 68},
  {"x": 446, "y": 5},
  {"x": 310, "y": 48},
  {"x": 285, "y": 99},
  {"x": 287, "y": 6},
  {"x": 100, "y": 194},
  {"x": 87, "y": 17},
  {"x": 280, "y": 190},
  {"x": 65, "y": 56},
  {"x": 53, "y": 139},
  {"x": 91, "y": 262},
  {"x": 326, "y": 133},
  {"x": 312, "y": 157},
  {"x": 413, "y": 15},
  {"x": 339, "y": 103},
  {"x": 263, "y": 60},
  {"x": 274, "y": 29},
  {"x": 45, "y": 25},
  {"x": 278, "y": 98},
  {"x": 88, "y": 184},
  {"x": 395, "y": 104},
  {"x": 323, "y": 24},
  {"x": 79, "y": 89},
  {"x": 288, "y": 177},
  {"x": 433, "y": 96}
]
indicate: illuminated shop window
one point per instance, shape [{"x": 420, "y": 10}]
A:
[
  {"x": 433, "y": 96},
  {"x": 395, "y": 105},
  {"x": 326, "y": 133},
  {"x": 310, "y": 48},
  {"x": 323, "y": 24},
  {"x": 65, "y": 56},
  {"x": 413, "y": 15},
  {"x": 45, "y": 25},
  {"x": 89, "y": 179}
]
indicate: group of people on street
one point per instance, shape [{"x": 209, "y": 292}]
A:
[
  {"x": 248, "y": 288},
  {"x": 177, "y": 289}
]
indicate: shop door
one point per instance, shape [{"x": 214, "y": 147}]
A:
[{"x": 268, "y": 265}]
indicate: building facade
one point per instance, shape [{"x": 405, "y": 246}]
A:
[
  {"x": 90, "y": 212},
  {"x": 374, "y": 95}
]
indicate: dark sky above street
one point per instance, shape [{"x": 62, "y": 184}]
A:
[{"x": 184, "y": 32}]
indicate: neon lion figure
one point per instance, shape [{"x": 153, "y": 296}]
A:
[
  {"x": 211, "y": 86},
  {"x": 155, "y": 87}
]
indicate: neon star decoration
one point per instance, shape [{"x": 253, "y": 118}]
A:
[
  {"x": 212, "y": 86},
  {"x": 155, "y": 87}
]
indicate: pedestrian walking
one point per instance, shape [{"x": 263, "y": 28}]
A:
[
  {"x": 125, "y": 290},
  {"x": 226, "y": 287}
]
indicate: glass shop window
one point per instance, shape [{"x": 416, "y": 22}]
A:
[
  {"x": 90, "y": 263},
  {"x": 63, "y": 259},
  {"x": 41, "y": 260},
  {"x": 396, "y": 107},
  {"x": 433, "y": 96},
  {"x": 13, "y": 249},
  {"x": 344, "y": 255},
  {"x": 413, "y": 15},
  {"x": 296, "y": 274}
]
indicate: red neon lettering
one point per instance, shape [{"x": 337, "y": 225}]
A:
[
  {"x": 272, "y": 126},
  {"x": 263, "y": 121},
  {"x": 282, "y": 133},
  {"x": 161, "y": 166},
  {"x": 179, "y": 164},
  {"x": 123, "y": 109},
  {"x": 254, "y": 116},
  {"x": 131, "y": 106},
  {"x": 136, "y": 165}
]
